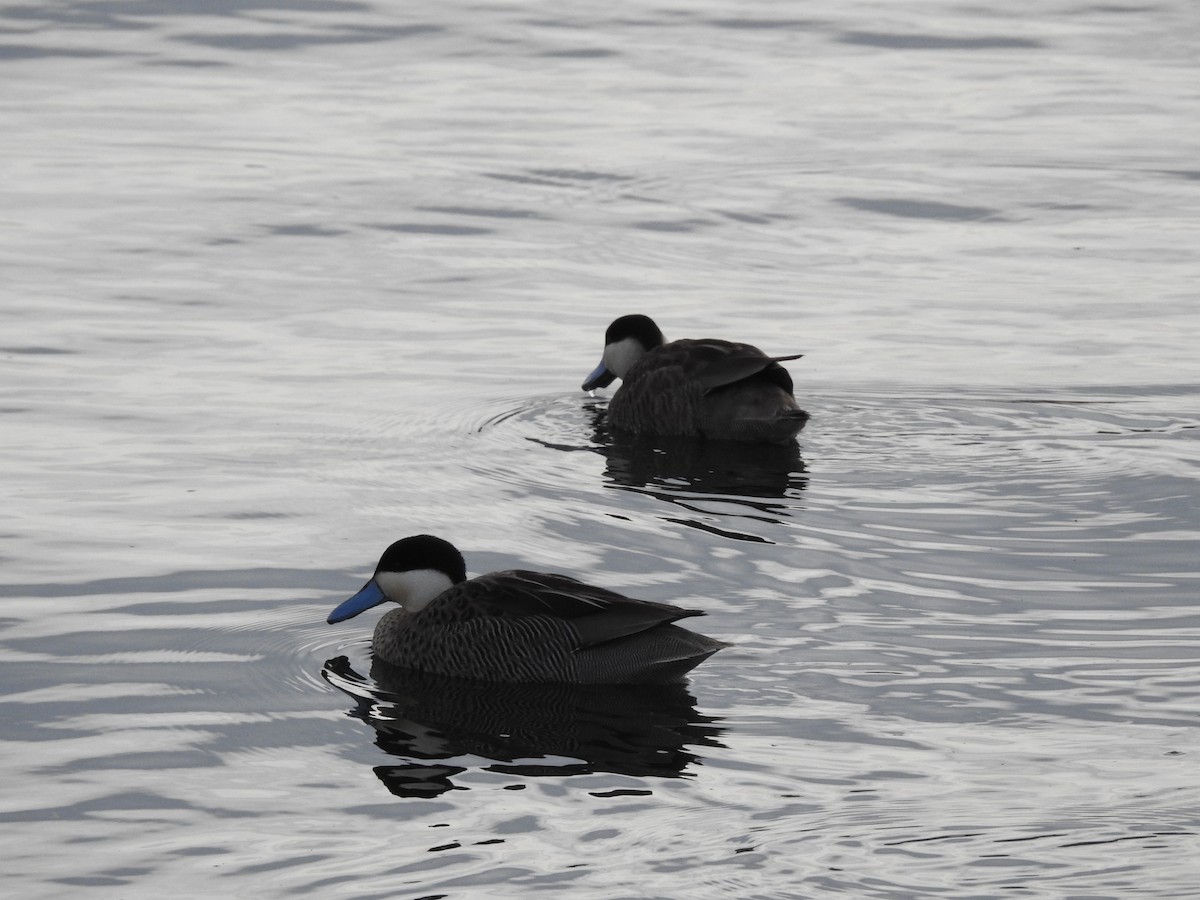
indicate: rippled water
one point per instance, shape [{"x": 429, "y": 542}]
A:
[{"x": 284, "y": 282}]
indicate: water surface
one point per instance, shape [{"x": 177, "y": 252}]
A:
[{"x": 286, "y": 282}]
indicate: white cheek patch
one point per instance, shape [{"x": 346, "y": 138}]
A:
[
  {"x": 415, "y": 588},
  {"x": 620, "y": 357}
]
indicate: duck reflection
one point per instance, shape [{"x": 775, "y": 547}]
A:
[
  {"x": 718, "y": 467},
  {"x": 764, "y": 471},
  {"x": 525, "y": 729},
  {"x": 742, "y": 479}
]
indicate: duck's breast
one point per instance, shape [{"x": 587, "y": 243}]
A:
[
  {"x": 524, "y": 649},
  {"x": 659, "y": 396}
]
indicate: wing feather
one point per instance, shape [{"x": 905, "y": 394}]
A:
[
  {"x": 596, "y": 614},
  {"x": 715, "y": 364}
]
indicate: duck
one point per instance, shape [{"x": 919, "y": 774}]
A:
[
  {"x": 720, "y": 390},
  {"x": 518, "y": 626}
]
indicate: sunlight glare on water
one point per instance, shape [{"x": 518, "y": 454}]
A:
[{"x": 286, "y": 282}]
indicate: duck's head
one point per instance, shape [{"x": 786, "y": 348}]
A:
[
  {"x": 627, "y": 340},
  {"x": 411, "y": 572}
]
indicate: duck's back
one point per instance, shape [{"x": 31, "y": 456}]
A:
[
  {"x": 536, "y": 627},
  {"x": 714, "y": 389}
]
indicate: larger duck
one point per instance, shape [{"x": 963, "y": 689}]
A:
[
  {"x": 708, "y": 388},
  {"x": 518, "y": 626}
]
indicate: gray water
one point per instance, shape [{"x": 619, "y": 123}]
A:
[{"x": 283, "y": 282}]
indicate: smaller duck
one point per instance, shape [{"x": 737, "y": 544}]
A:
[
  {"x": 695, "y": 388},
  {"x": 518, "y": 626}
]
